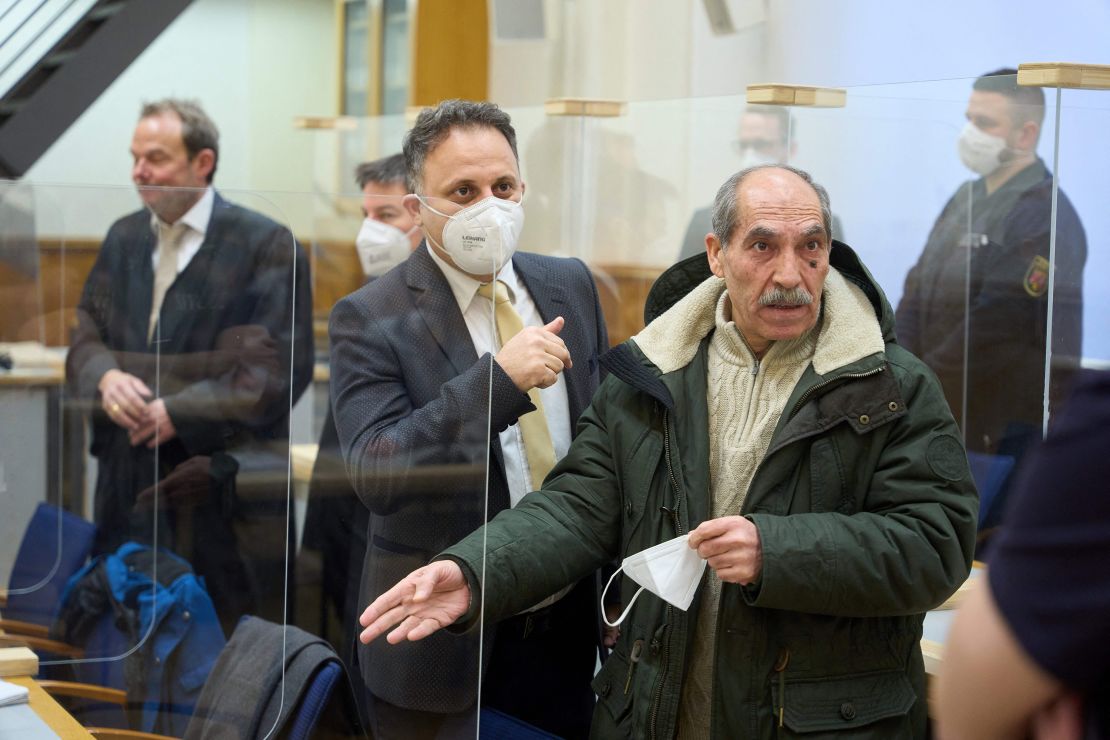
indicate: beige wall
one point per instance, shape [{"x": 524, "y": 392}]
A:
[{"x": 253, "y": 64}]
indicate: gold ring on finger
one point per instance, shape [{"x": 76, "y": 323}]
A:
[{"x": 114, "y": 408}]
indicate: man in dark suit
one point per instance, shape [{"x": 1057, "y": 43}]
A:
[
  {"x": 447, "y": 414},
  {"x": 335, "y": 520},
  {"x": 188, "y": 351}
]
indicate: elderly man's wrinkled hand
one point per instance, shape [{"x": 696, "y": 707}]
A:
[
  {"x": 424, "y": 602},
  {"x": 732, "y": 548}
]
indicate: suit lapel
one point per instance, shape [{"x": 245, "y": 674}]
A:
[
  {"x": 140, "y": 285},
  {"x": 550, "y": 296},
  {"x": 179, "y": 312},
  {"x": 547, "y": 292},
  {"x": 439, "y": 310}
]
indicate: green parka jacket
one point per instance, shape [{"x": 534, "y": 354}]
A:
[{"x": 866, "y": 513}]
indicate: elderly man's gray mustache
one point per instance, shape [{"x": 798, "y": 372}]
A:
[{"x": 794, "y": 297}]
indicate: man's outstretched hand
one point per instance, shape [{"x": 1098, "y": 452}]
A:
[{"x": 423, "y": 602}]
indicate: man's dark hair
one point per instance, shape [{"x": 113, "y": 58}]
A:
[
  {"x": 724, "y": 205},
  {"x": 1026, "y": 103},
  {"x": 433, "y": 125},
  {"x": 386, "y": 171},
  {"x": 198, "y": 132}
]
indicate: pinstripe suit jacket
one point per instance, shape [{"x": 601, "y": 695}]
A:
[{"x": 418, "y": 414}]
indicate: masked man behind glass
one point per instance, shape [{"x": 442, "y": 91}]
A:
[
  {"x": 767, "y": 135},
  {"x": 414, "y": 354},
  {"x": 983, "y": 279},
  {"x": 389, "y": 232},
  {"x": 336, "y": 522}
]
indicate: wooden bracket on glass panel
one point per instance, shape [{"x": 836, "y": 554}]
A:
[
  {"x": 325, "y": 123},
  {"x": 588, "y": 107},
  {"x": 779, "y": 94},
  {"x": 18, "y": 661},
  {"x": 1064, "y": 74}
]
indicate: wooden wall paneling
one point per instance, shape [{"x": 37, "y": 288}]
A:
[
  {"x": 450, "y": 51},
  {"x": 65, "y": 265}
]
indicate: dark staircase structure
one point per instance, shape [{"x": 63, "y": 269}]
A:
[{"x": 57, "y": 57}]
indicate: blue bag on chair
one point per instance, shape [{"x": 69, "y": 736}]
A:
[{"x": 148, "y": 616}]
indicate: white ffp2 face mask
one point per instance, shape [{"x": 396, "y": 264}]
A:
[
  {"x": 979, "y": 151},
  {"x": 381, "y": 247},
  {"x": 671, "y": 570},
  {"x": 482, "y": 237}
]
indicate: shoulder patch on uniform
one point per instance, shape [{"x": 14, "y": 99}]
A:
[
  {"x": 946, "y": 458},
  {"x": 1036, "y": 277}
]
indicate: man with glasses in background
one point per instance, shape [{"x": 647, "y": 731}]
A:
[{"x": 767, "y": 135}]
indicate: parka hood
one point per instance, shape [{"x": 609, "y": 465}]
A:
[{"x": 683, "y": 276}]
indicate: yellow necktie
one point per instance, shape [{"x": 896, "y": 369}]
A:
[
  {"x": 169, "y": 244},
  {"x": 538, "y": 448}
]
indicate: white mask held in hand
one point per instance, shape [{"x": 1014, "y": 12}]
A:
[
  {"x": 671, "y": 570},
  {"x": 979, "y": 151},
  {"x": 482, "y": 237},
  {"x": 381, "y": 247}
]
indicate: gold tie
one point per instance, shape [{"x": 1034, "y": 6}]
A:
[
  {"x": 538, "y": 448},
  {"x": 169, "y": 244}
]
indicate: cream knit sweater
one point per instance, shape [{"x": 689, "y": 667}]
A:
[{"x": 746, "y": 397}]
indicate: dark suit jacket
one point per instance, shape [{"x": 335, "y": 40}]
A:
[
  {"x": 412, "y": 407},
  {"x": 227, "y": 339}
]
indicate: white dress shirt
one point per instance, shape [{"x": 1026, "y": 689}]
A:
[
  {"x": 196, "y": 219},
  {"x": 478, "y": 313}
]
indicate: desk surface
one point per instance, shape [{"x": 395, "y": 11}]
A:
[
  {"x": 51, "y": 712},
  {"x": 32, "y": 377}
]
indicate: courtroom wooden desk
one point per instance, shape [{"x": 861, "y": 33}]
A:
[{"x": 50, "y": 711}]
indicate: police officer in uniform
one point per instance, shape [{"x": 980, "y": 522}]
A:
[{"x": 975, "y": 306}]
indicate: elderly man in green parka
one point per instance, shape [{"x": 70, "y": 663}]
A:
[{"x": 770, "y": 414}]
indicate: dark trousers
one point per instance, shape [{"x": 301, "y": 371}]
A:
[{"x": 539, "y": 672}]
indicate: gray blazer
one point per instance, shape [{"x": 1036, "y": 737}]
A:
[{"x": 418, "y": 422}]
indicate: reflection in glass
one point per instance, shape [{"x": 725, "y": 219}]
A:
[
  {"x": 975, "y": 306},
  {"x": 438, "y": 437},
  {"x": 189, "y": 405}
]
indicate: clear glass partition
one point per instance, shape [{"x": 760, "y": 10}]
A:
[
  {"x": 953, "y": 204},
  {"x": 963, "y": 258},
  {"x": 402, "y": 459},
  {"x": 146, "y": 400},
  {"x": 319, "y": 454},
  {"x": 1080, "y": 156}
]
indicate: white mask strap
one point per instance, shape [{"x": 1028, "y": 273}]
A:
[
  {"x": 429, "y": 206},
  {"x": 627, "y": 609}
]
